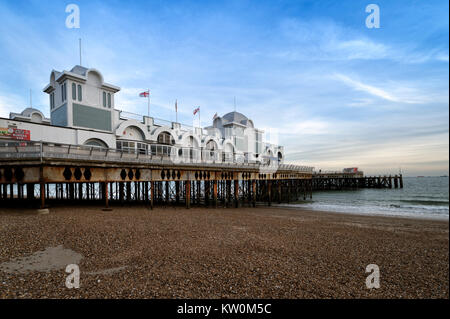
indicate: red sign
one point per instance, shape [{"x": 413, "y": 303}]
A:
[{"x": 14, "y": 134}]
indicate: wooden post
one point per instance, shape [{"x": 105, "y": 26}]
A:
[
  {"x": 177, "y": 192},
  {"x": 42, "y": 189},
  {"x": 207, "y": 192},
  {"x": 128, "y": 191},
  {"x": 401, "y": 181},
  {"x": 236, "y": 193},
  {"x": 254, "y": 193},
  {"x": 269, "y": 193},
  {"x": 106, "y": 192},
  {"x": 188, "y": 194},
  {"x": 215, "y": 193},
  {"x": 152, "y": 194},
  {"x": 396, "y": 181},
  {"x": 279, "y": 190},
  {"x": 121, "y": 194},
  {"x": 30, "y": 191},
  {"x": 167, "y": 193}
]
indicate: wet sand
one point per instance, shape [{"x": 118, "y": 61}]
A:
[{"x": 133, "y": 252}]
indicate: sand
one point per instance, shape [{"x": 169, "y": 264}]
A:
[{"x": 134, "y": 252}]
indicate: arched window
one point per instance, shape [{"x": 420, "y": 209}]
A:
[
  {"x": 80, "y": 95},
  {"x": 74, "y": 91},
  {"x": 96, "y": 142},
  {"x": 165, "y": 138},
  {"x": 109, "y": 100},
  {"x": 104, "y": 99}
]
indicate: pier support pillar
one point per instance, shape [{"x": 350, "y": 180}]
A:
[
  {"x": 177, "y": 192},
  {"x": 236, "y": 193},
  {"x": 401, "y": 181},
  {"x": 188, "y": 194},
  {"x": 30, "y": 191},
  {"x": 106, "y": 194},
  {"x": 42, "y": 189},
  {"x": 269, "y": 193},
  {"x": 152, "y": 194},
  {"x": 167, "y": 193},
  {"x": 121, "y": 195},
  {"x": 215, "y": 193},
  {"x": 254, "y": 193},
  {"x": 279, "y": 190}
]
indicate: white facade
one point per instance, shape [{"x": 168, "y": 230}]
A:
[{"x": 82, "y": 112}]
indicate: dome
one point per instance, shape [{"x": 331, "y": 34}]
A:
[
  {"x": 237, "y": 118},
  {"x": 29, "y": 111}
]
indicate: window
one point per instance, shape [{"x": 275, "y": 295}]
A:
[
  {"x": 79, "y": 93},
  {"x": 52, "y": 101},
  {"x": 109, "y": 100},
  {"x": 104, "y": 99},
  {"x": 63, "y": 92},
  {"x": 142, "y": 148},
  {"x": 126, "y": 147},
  {"x": 74, "y": 91},
  {"x": 165, "y": 138}
]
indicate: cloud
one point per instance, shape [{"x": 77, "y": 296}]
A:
[
  {"x": 372, "y": 90},
  {"x": 395, "y": 92}
]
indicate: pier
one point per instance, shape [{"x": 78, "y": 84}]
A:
[
  {"x": 43, "y": 174},
  {"x": 349, "y": 180}
]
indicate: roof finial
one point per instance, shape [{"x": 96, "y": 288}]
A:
[
  {"x": 235, "y": 103},
  {"x": 31, "y": 100}
]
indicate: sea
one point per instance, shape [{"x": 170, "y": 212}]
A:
[{"x": 420, "y": 197}]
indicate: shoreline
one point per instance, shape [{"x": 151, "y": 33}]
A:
[{"x": 381, "y": 215}]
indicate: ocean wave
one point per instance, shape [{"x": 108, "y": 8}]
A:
[{"x": 425, "y": 202}]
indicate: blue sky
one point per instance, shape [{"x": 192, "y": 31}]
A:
[{"x": 337, "y": 93}]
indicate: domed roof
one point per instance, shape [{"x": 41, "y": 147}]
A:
[
  {"x": 236, "y": 117},
  {"x": 29, "y": 110}
]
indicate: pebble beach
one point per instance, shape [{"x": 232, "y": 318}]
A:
[{"x": 263, "y": 252}]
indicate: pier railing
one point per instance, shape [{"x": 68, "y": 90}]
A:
[{"x": 156, "y": 154}]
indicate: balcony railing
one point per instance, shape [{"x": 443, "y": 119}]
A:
[{"x": 155, "y": 154}]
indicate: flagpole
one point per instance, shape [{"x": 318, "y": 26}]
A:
[
  {"x": 148, "y": 100},
  {"x": 176, "y": 110}
]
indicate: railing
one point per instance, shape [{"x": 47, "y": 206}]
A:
[
  {"x": 131, "y": 116},
  {"x": 161, "y": 122},
  {"x": 155, "y": 154}
]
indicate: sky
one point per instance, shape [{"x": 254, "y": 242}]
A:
[{"x": 335, "y": 93}]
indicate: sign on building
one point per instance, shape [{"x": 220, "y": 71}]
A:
[{"x": 14, "y": 134}]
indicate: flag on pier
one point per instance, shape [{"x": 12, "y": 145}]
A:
[
  {"x": 215, "y": 116},
  {"x": 196, "y": 110},
  {"x": 145, "y": 94}
]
